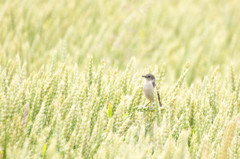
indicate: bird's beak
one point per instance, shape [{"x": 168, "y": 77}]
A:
[{"x": 144, "y": 76}]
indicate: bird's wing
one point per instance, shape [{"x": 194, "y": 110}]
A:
[{"x": 154, "y": 84}]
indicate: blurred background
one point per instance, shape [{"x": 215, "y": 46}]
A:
[{"x": 205, "y": 33}]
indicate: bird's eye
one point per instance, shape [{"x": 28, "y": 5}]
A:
[{"x": 148, "y": 76}]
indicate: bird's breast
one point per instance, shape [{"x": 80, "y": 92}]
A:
[{"x": 149, "y": 90}]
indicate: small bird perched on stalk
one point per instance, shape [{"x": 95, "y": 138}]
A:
[{"x": 148, "y": 88}]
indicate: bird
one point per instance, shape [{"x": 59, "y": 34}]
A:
[{"x": 148, "y": 88}]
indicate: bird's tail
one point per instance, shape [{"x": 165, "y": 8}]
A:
[{"x": 159, "y": 101}]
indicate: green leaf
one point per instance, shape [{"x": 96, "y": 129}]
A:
[
  {"x": 44, "y": 150},
  {"x": 109, "y": 110}
]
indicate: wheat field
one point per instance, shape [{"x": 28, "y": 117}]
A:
[{"x": 71, "y": 85}]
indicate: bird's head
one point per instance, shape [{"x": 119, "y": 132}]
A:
[{"x": 149, "y": 77}]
